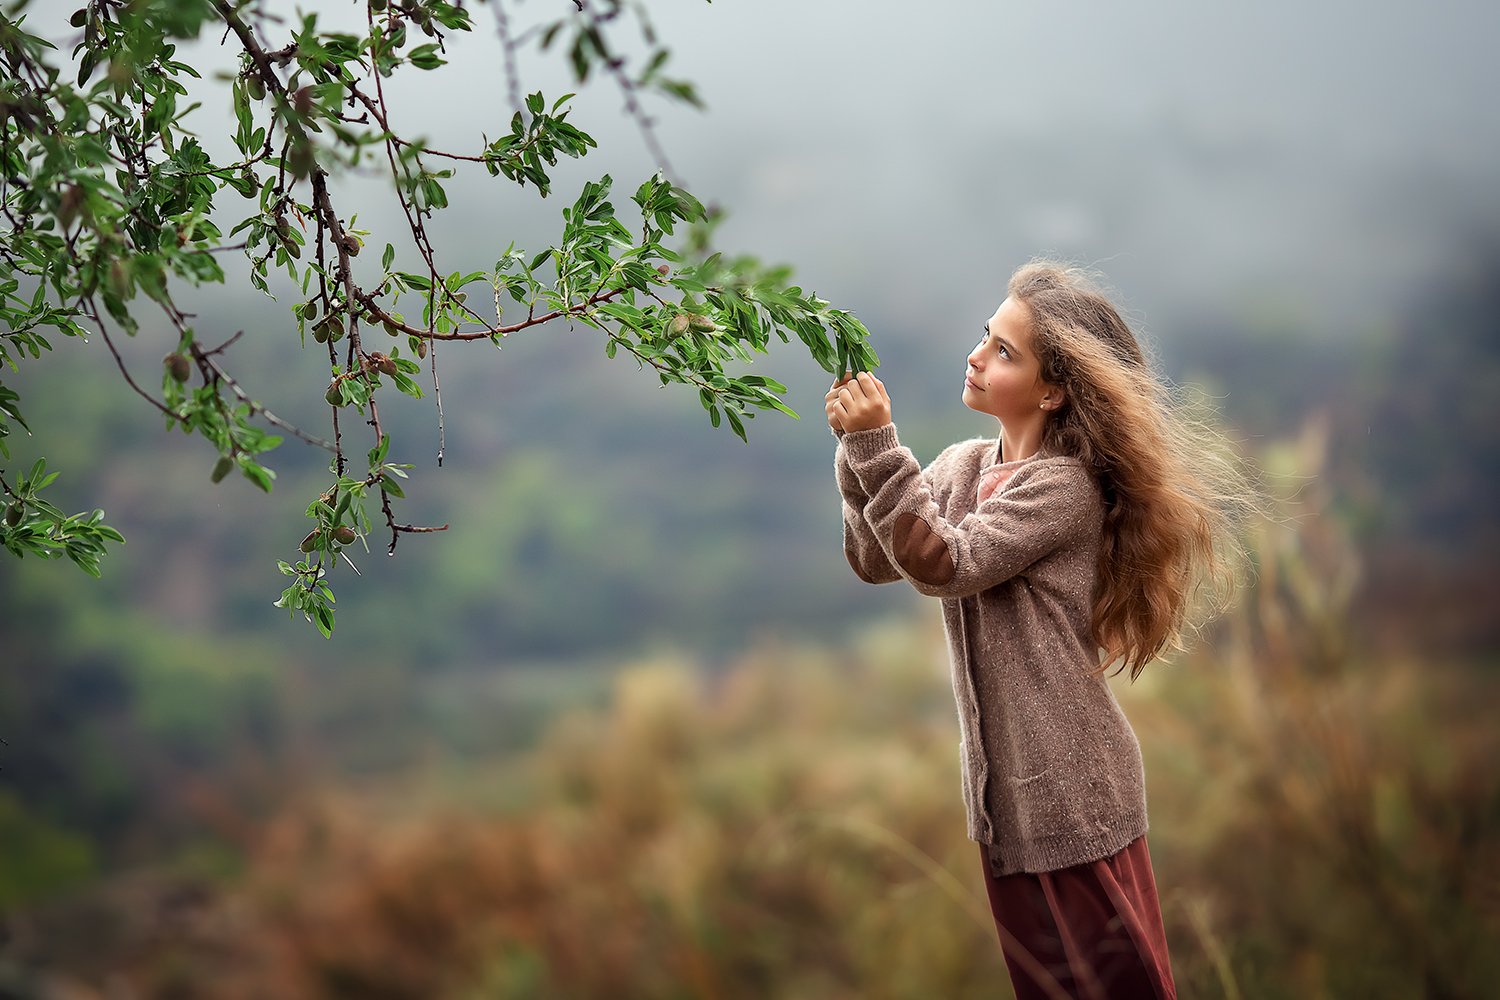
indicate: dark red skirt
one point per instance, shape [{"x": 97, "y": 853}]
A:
[{"x": 1091, "y": 932}]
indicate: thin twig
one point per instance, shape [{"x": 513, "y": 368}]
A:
[
  {"x": 512, "y": 74},
  {"x": 616, "y": 67},
  {"x": 489, "y": 331},
  {"x": 203, "y": 357},
  {"x": 120, "y": 362},
  {"x": 437, "y": 393}
]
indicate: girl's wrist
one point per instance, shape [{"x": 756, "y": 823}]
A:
[{"x": 869, "y": 442}]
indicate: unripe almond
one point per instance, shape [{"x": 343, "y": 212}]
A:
[
  {"x": 701, "y": 323},
  {"x": 302, "y": 101},
  {"x": 301, "y": 159},
  {"x": 332, "y": 330},
  {"x": 255, "y": 87},
  {"x": 221, "y": 469},
  {"x": 343, "y": 534},
  {"x": 678, "y": 326},
  {"x": 333, "y": 396},
  {"x": 310, "y": 542},
  {"x": 119, "y": 278},
  {"x": 178, "y": 366},
  {"x": 310, "y": 310},
  {"x": 13, "y": 514},
  {"x": 68, "y": 205}
]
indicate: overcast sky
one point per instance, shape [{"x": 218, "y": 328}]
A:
[
  {"x": 908, "y": 155},
  {"x": 905, "y": 157}
]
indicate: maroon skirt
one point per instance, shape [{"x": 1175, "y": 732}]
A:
[{"x": 1091, "y": 932}]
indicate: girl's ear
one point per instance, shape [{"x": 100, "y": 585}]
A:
[{"x": 1053, "y": 398}]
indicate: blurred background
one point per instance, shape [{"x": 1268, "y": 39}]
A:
[{"x": 630, "y": 727}]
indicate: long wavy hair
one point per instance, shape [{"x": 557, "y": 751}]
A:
[{"x": 1176, "y": 495}]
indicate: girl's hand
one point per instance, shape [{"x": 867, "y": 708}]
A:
[
  {"x": 859, "y": 404},
  {"x": 830, "y": 403}
]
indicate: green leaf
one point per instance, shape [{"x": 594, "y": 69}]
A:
[
  {"x": 406, "y": 385},
  {"x": 426, "y": 57},
  {"x": 323, "y": 617},
  {"x": 258, "y": 474}
]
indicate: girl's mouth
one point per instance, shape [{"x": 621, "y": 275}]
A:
[{"x": 972, "y": 384}]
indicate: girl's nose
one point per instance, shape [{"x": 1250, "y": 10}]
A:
[{"x": 973, "y": 359}]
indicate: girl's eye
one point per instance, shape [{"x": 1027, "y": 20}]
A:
[{"x": 1004, "y": 353}]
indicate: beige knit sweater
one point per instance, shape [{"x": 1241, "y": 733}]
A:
[{"x": 1052, "y": 772}]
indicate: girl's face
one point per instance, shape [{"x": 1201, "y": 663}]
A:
[{"x": 1004, "y": 378}]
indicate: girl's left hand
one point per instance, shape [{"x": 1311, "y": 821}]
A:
[{"x": 861, "y": 404}]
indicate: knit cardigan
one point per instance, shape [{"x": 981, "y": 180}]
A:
[{"x": 1052, "y": 771}]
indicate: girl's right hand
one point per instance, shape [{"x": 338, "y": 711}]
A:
[
  {"x": 831, "y": 406},
  {"x": 859, "y": 402}
]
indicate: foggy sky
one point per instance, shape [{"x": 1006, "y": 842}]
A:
[{"x": 1207, "y": 159}]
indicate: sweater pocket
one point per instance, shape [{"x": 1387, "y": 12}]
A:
[{"x": 1041, "y": 802}]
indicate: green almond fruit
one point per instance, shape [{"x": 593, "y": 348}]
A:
[
  {"x": 221, "y": 469},
  {"x": 701, "y": 323},
  {"x": 678, "y": 326},
  {"x": 119, "y": 278},
  {"x": 302, "y": 161},
  {"x": 255, "y": 87},
  {"x": 310, "y": 542},
  {"x": 333, "y": 396},
  {"x": 13, "y": 514},
  {"x": 178, "y": 366},
  {"x": 344, "y": 534}
]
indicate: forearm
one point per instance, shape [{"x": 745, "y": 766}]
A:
[
  {"x": 955, "y": 558},
  {"x": 866, "y": 556}
]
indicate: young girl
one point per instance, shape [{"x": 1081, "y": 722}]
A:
[{"x": 1084, "y": 537}]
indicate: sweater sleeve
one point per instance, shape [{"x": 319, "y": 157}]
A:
[
  {"x": 1038, "y": 512},
  {"x": 863, "y": 550}
]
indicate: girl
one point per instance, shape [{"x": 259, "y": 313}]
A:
[{"x": 1083, "y": 538}]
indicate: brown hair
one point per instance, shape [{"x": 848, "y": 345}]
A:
[{"x": 1175, "y": 493}]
